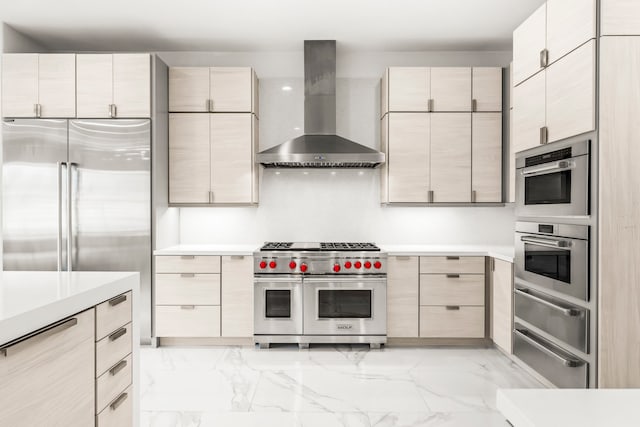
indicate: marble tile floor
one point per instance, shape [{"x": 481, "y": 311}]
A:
[{"x": 325, "y": 386}]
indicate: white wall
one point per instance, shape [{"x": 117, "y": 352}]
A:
[{"x": 342, "y": 204}]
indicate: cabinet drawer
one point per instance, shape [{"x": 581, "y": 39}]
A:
[
  {"x": 187, "y": 321},
  {"x": 112, "y": 383},
  {"x": 452, "y": 264},
  {"x": 119, "y": 412},
  {"x": 451, "y": 322},
  {"x": 188, "y": 288},
  {"x": 112, "y": 314},
  {"x": 113, "y": 348},
  {"x": 452, "y": 289},
  {"x": 188, "y": 264}
]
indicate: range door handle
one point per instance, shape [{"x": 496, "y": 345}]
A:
[
  {"x": 555, "y": 166},
  {"x": 551, "y": 243},
  {"x": 572, "y": 363},
  {"x": 569, "y": 312}
]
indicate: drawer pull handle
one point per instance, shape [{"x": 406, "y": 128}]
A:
[
  {"x": 452, "y": 307},
  {"x": 187, "y": 257},
  {"x": 187, "y": 275},
  {"x": 570, "y": 363},
  {"x": 237, "y": 256},
  {"x": 187, "y": 307},
  {"x": 117, "y": 300},
  {"x": 118, "y": 367},
  {"x": 453, "y": 276},
  {"x": 41, "y": 334},
  {"x": 569, "y": 312},
  {"x": 114, "y": 405},
  {"x": 453, "y": 258},
  {"x": 117, "y": 334},
  {"x": 403, "y": 258}
]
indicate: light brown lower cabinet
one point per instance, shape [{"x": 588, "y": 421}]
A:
[
  {"x": 402, "y": 296},
  {"x": 502, "y": 304},
  {"x": 198, "y": 321},
  {"x": 452, "y": 321},
  {"x": 237, "y": 296}
]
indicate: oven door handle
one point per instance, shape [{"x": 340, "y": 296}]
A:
[
  {"x": 556, "y": 166},
  {"x": 292, "y": 279},
  {"x": 569, "y": 312},
  {"x": 343, "y": 279},
  {"x": 551, "y": 243},
  {"x": 571, "y": 363}
]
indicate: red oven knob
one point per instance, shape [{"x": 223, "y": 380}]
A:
[
  {"x": 272, "y": 264},
  {"x": 336, "y": 267},
  {"x": 358, "y": 264},
  {"x": 367, "y": 264},
  {"x": 347, "y": 264},
  {"x": 263, "y": 264},
  {"x": 303, "y": 267},
  {"x": 292, "y": 265},
  {"x": 377, "y": 264}
]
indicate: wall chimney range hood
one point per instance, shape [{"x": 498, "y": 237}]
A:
[{"x": 320, "y": 147}]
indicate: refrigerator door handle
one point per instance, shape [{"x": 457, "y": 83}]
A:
[
  {"x": 60, "y": 165},
  {"x": 70, "y": 197}
]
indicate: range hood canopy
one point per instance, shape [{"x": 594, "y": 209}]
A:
[{"x": 320, "y": 147}]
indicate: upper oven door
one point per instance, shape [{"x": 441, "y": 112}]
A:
[
  {"x": 557, "y": 263},
  {"x": 345, "y": 306},
  {"x": 277, "y": 307},
  {"x": 559, "y": 188}
]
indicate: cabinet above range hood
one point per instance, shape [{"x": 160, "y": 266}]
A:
[{"x": 320, "y": 147}]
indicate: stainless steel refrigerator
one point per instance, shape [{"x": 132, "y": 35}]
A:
[{"x": 76, "y": 196}]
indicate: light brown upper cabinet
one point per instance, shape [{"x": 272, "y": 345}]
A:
[
  {"x": 620, "y": 18},
  {"x": 38, "y": 85},
  {"x": 486, "y": 155},
  {"x": 213, "y": 89},
  {"x": 558, "y": 102},
  {"x": 486, "y": 89},
  {"x": 451, "y": 157},
  {"x": 450, "y": 89},
  {"x": 212, "y": 158},
  {"x": 554, "y": 30},
  {"x": 440, "y": 89},
  {"x": 113, "y": 85}
]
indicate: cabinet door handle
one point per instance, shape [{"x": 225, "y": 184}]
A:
[
  {"x": 187, "y": 307},
  {"x": 403, "y": 258},
  {"x": 452, "y": 307},
  {"x": 40, "y": 334},
  {"x": 210, "y": 196},
  {"x": 187, "y": 257},
  {"x": 474, "y": 105},
  {"x": 117, "y": 300},
  {"x": 453, "y": 276},
  {"x": 187, "y": 275},
  {"x": 430, "y": 105},
  {"x": 237, "y": 256},
  {"x": 118, "y": 367},
  {"x": 117, "y": 334},
  {"x": 453, "y": 258},
  {"x": 430, "y": 196},
  {"x": 210, "y": 105},
  {"x": 473, "y": 196},
  {"x": 544, "y": 135},
  {"x": 37, "y": 109},
  {"x": 114, "y": 405},
  {"x": 544, "y": 58}
]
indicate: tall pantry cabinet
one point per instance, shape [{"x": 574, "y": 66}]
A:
[
  {"x": 441, "y": 130},
  {"x": 213, "y": 135}
]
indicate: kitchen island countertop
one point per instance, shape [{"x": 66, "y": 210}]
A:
[{"x": 30, "y": 300}]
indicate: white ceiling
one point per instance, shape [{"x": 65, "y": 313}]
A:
[{"x": 268, "y": 25}]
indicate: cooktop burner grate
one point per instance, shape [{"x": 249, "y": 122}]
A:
[{"x": 322, "y": 246}]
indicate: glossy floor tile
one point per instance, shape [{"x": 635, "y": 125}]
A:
[{"x": 325, "y": 386}]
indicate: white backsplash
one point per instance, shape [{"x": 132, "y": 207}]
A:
[{"x": 340, "y": 205}]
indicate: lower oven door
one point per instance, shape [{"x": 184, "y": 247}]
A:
[
  {"x": 277, "y": 308},
  {"x": 557, "y": 263},
  {"x": 345, "y": 306}
]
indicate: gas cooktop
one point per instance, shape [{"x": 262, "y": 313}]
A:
[{"x": 319, "y": 246}]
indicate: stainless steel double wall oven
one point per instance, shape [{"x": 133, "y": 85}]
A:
[
  {"x": 320, "y": 293},
  {"x": 554, "y": 292}
]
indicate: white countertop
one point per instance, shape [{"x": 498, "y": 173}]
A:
[
  {"x": 209, "y": 250},
  {"x": 568, "y": 407},
  {"x": 505, "y": 253},
  {"x": 30, "y": 300}
]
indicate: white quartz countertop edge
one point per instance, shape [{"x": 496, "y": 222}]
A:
[
  {"x": 179, "y": 250},
  {"x": 505, "y": 253},
  {"x": 33, "y": 316},
  {"x": 570, "y": 407}
]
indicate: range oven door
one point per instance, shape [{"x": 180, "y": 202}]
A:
[
  {"x": 557, "y": 263},
  {"x": 345, "y": 306},
  {"x": 277, "y": 308},
  {"x": 554, "y": 189}
]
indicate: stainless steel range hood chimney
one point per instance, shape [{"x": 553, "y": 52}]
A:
[{"x": 320, "y": 147}]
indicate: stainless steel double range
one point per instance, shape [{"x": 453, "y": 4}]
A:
[
  {"x": 320, "y": 293},
  {"x": 555, "y": 290}
]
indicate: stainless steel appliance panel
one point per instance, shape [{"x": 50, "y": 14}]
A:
[
  {"x": 345, "y": 306},
  {"x": 110, "y": 182},
  {"x": 34, "y": 194},
  {"x": 566, "y": 322},
  {"x": 549, "y": 255},
  {"x": 557, "y": 188},
  {"x": 558, "y": 366},
  {"x": 277, "y": 306}
]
